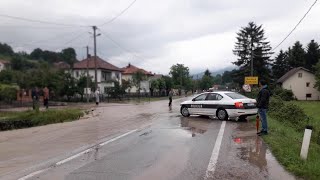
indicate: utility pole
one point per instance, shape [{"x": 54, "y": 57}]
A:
[
  {"x": 95, "y": 56},
  {"x": 87, "y": 73}
]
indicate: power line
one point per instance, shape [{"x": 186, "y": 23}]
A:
[
  {"x": 119, "y": 46},
  {"x": 296, "y": 25},
  {"x": 55, "y": 37},
  {"x": 73, "y": 39},
  {"x": 123, "y": 11},
  {"x": 40, "y": 21}
]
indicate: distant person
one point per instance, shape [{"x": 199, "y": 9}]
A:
[
  {"x": 96, "y": 93},
  {"x": 46, "y": 97},
  {"x": 35, "y": 98},
  {"x": 263, "y": 105},
  {"x": 170, "y": 97}
]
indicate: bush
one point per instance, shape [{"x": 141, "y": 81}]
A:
[
  {"x": 288, "y": 113},
  {"x": 32, "y": 118},
  {"x": 8, "y": 93},
  {"x": 275, "y": 103},
  {"x": 286, "y": 95}
]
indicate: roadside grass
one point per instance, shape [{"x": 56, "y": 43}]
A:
[
  {"x": 312, "y": 109},
  {"x": 285, "y": 143},
  {"x": 18, "y": 120}
]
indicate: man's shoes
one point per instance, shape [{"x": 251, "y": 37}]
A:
[{"x": 262, "y": 133}]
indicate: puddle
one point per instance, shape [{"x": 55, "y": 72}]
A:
[
  {"x": 194, "y": 126},
  {"x": 251, "y": 149}
]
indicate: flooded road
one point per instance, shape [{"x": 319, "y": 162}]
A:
[{"x": 158, "y": 143}]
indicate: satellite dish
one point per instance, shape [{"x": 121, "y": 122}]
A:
[{"x": 246, "y": 88}]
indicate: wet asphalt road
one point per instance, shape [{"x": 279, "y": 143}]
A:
[{"x": 174, "y": 147}]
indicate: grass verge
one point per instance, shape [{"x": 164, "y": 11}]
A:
[
  {"x": 285, "y": 143},
  {"x": 18, "y": 120}
]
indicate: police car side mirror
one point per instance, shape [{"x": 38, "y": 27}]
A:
[{"x": 193, "y": 99}]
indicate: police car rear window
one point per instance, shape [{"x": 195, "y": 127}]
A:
[{"x": 236, "y": 96}]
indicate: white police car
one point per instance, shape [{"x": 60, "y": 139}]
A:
[{"x": 223, "y": 105}]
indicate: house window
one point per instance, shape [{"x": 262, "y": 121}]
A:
[
  {"x": 106, "y": 76},
  {"x": 77, "y": 73},
  {"x": 299, "y": 75},
  {"x": 308, "y": 84},
  {"x": 118, "y": 75},
  {"x": 308, "y": 95}
]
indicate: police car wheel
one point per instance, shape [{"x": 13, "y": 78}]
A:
[
  {"x": 222, "y": 114},
  {"x": 185, "y": 111}
]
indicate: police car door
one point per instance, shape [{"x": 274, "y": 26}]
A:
[
  {"x": 211, "y": 104},
  {"x": 197, "y": 104}
]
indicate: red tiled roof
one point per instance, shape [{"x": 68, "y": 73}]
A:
[
  {"x": 101, "y": 64},
  {"x": 4, "y": 61},
  {"x": 131, "y": 69}
]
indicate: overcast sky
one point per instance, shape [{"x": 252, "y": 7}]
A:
[{"x": 155, "y": 34}]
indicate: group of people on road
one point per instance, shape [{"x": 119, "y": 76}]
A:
[{"x": 35, "y": 94}]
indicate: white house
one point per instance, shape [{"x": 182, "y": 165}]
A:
[
  {"x": 106, "y": 72},
  {"x": 301, "y": 81},
  {"x": 127, "y": 75},
  {"x": 4, "y": 65}
]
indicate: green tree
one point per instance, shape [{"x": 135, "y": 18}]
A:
[
  {"x": 280, "y": 65},
  {"x": 251, "y": 43},
  {"x": 169, "y": 83},
  {"x": 312, "y": 55},
  {"x": 5, "y": 49},
  {"x": 17, "y": 63},
  {"x": 227, "y": 77},
  {"x": 7, "y": 76},
  {"x": 154, "y": 84},
  {"x": 82, "y": 84},
  {"x": 317, "y": 68},
  {"x": 180, "y": 75},
  {"x": 50, "y": 56},
  {"x": 161, "y": 84},
  {"x": 36, "y": 54},
  {"x": 217, "y": 79},
  {"x": 69, "y": 56},
  {"x": 126, "y": 84},
  {"x": 69, "y": 86},
  {"x": 137, "y": 78},
  {"x": 296, "y": 55},
  {"x": 206, "y": 81}
]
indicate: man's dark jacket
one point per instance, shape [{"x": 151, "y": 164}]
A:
[{"x": 263, "y": 98}]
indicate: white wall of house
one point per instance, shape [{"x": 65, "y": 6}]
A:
[
  {"x": 115, "y": 75},
  {"x": 2, "y": 66},
  {"x": 144, "y": 85},
  {"x": 301, "y": 84}
]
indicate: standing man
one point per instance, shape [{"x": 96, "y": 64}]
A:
[
  {"x": 35, "y": 98},
  {"x": 170, "y": 98},
  {"x": 46, "y": 97},
  {"x": 263, "y": 105},
  {"x": 96, "y": 93}
]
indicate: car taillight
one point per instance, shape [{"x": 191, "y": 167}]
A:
[{"x": 239, "y": 105}]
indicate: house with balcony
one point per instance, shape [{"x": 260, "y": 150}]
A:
[
  {"x": 127, "y": 75},
  {"x": 106, "y": 73}
]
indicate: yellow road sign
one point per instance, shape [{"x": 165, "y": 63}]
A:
[{"x": 251, "y": 80}]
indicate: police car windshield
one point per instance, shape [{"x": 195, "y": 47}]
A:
[{"x": 236, "y": 96}]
